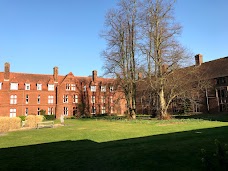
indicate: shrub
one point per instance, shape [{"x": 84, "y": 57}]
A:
[
  {"x": 32, "y": 120},
  {"x": 7, "y": 123},
  {"x": 22, "y": 118},
  {"x": 49, "y": 117}
]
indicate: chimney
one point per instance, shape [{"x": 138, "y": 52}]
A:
[
  {"x": 94, "y": 77},
  {"x": 55, "y": 74},
  {"x": 7, "y": 72},
  {"x": 199, "y": 59}
]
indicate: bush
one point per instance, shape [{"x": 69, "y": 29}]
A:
[
  {"x": 32, "y": 120},
  {"x": 7, "y": 123},
  {"x": 49, "y": 117},
  {"x": 22, "y": 118}
]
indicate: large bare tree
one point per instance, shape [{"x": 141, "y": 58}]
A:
[{"x": 120, "y": 54}]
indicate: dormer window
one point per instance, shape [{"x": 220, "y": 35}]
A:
[
  {"x": 13, "y": 86},
  {"x": 93, "y": 88},
  {"x": 39, "y": 86},
  {"x": 27, "y": 86},
  {"x": 103, "y": 88},
  {"x": 51, "y": 87},
  {"x": 111, "y": 88}
]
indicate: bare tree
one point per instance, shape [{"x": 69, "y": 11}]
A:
[{"x": 120, "y": 54}]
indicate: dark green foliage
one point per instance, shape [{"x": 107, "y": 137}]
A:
[
  {"x": 49, "y": 117},
  {"x": 22, "y": 118},
  {"x": 42, "y": 112},
  {"x": 217, "y": 160}
]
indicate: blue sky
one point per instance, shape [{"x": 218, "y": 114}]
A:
[{"x": 36, "y": 35}]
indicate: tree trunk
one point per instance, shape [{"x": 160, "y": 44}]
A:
[{"x": 162, "y": 104}]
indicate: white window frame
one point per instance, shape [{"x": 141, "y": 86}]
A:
[
  {"x": 65, "y": 111},
  {"x": 51, "y": 87},
  {"x": 50, "y": 99},
  {"x": 111, "y": 88},
  {"x": 13, "y": 99},
  {"x": 103, "y": 111},
  {"x": 38, "y": 111},
  {"x": 13, "y": 113},
  {"x": 84, "y": 88},
  {"x": 26, "y": 111},
  {"x": 93, "y": 88},
  {"x": 13, "y": 86},
  {"x": 93, "y": 99},
  {"x": 75, "y": 98},
  {"x": 111, "y": 109},
  {"x": 39, "y": 86},
  {"x": 103, "y": 88},
  {"x": 27, "y": 86},
  {"x": 93, "y": 110},
  {"x": 67, "y": 86},
  {"x": 65, "y": 98},
  {"x": 38, "y": 99},
  {"x": 102, "y": 99},
  {"x": 50, "y": 111},
  {"x": 0, "y": 85},
  {"x": 73, "y": 87},
  {"x": 26, "y": 98},
  {"x": 111, "y": 99}
]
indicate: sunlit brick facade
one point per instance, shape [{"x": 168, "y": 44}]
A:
[{"x": 69, "y": 95}]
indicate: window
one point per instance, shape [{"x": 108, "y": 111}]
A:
[
  {"x": 73, "y": 87},
  {"x": 26, "y": 111},
  {"x": 102, "y": 109},
  {"x": 93, "y": 88},
  {"x": 103, "y": 88},
  {"x": 84, "y": 88},
  {"x": 75, "y": 98},
  {"x": 93, "y": 110},
  {"x": 38, "y": 111},
  {"x": 50, "y": 99},
  {"x": 38, "y": 99},
  {"x": 65, "y": 98},
  {"x": 111, "y": 99},
  {"x": 27, "y": 99},
  {"x": 13, "y": 99},
  {"x": 65, "y": 111},
  {"x": 67, "y": 86},
  {"x": 102, "y": 99},
  {"x": 27, "y": 86},
  {"x": 51, "y": 87},
  {"x": 39, "y": 86},
  {"x": 92, "y": 99},
  {"x": 111, "y": 89},
  {"x": 13, "y": 113},
  {"x": 13, "y": 86},
  {"x": 0, "y": 86},
  {"x": 50, "y": 111}
]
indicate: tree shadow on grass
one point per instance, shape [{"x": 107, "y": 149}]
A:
[
  {"x": 174, "y": 151},
  {"x": 222, "y": 117}
]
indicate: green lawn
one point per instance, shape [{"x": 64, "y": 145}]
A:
[{"x": 90, "y": 144}]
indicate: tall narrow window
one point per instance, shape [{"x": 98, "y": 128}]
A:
[
  {"x": 65, "y": 98},
  {"x": 13, "y": 112},
  {"x": 38, "y": 111},
  {"x": 27, "y": 86},
  {"x": 67, "y": 86},
  {"x": 103, "y": 110},
  {"x": 111, "y": 109},
  {"x": 75, "y": 98},
  {"x": 0, "y": 86},
  {"x": 50, "y": 99},
  {"x": 92, "y": 99},
  {"x": 84, "y": 88},
  {"x": 93, "y": 110},
  {"x": 38, "y": 99},
  {"x": 27, "y": 99},
  {"x": 13, "y": 99},
  {"x": 65, "y": 111},
  {"x": 73, "y": 87},
  {"x": 111, "y": 99},
  {"x": 111, "y": 88},
  {"x": 26, "y": 111},
  {"x": 50, "y": 111},
  {"x": 102, "y": 99}
]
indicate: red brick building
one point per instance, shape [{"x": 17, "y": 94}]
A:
[{"x": 69, "y": 95}]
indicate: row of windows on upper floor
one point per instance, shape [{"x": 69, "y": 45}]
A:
[
  {"x": 51, "y": 87},
  {"x": 50, "y": 100}
]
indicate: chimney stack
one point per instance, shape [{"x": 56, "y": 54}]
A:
[
  {"x": 55, "y": 74},
  {"x": 94, "y": 75},
  {"x": 199, "y": 59},
  {"x": 7, "y": 72}
]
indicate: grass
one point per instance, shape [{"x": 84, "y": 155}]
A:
[{"x": 97, "y": 144}]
